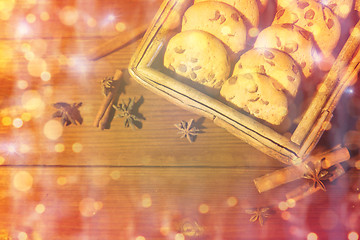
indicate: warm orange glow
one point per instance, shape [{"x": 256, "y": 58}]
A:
[
  {"x": 179, "y": 236},
  {"x": 61, "y": 181},
  {"x": 312, "y": 236},
  {"x": 45, "y": 76},
  {"x": 36, "y": 66},
  {"x": 59, "y": 147},
  {"x": 40, "y": 208},
  {"x": 285, "y": 215},
  {"x": 2, "y": 160},
  {"x": 22, "y": 236},
  {"x": 26, "y": 116},
  {"x": 91, "y": 22},
  {"x": 120, "y": 27},
  {"x": 283, "y": 206},
  {"x": 291, "y": 203},
  {"x": 6, "y": 121},
  {"x": 17, "y": 122},
  {"x": 23, "y": 181},
  {"x": 53, "y": 129},
  {"x": 77, "y": 147},
  {"x": 203, "y": 208},
  {"x": 30, "y": 18},
  {"x": 22, "y": 84},
  {"x": 69, "y": 15},
  {"x": 87, "y": 207},
  {"x": 44, "y": 16},
  {"x": 115, "y": 175},
  {"x": 353, "y": 236},
  {"x": 231, "y": 201},
  {"x": 24, "y": 148},
  {"x": 146, "y": 201}
]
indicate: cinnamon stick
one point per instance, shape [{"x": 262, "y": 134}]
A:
[
  {"x": 292, "y": 173},
  {"x": 331, "y": 80},
  {"x": 116, "y": 42},
  {"x": 104, "y": 112}
]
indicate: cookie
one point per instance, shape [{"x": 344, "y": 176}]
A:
[
  {"x": 273, "y": 63},
  {"x": 293, "y": 40},
  {"x": 341, "y": 8},
  {"x": 315, "y": 18},
  {"x": 247, "y": 8},
  {"x": 188, "y": 54},
  {"x": 256, "y": 94},
  {"x": 221, "y": 20}
]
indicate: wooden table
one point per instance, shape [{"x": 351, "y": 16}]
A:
[{"x": 78, "y": 182}]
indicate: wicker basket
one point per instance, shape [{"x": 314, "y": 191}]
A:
[{"x": 146, "y": 67}]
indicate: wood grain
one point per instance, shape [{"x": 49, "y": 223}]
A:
[{"x": 123, "y": 184}]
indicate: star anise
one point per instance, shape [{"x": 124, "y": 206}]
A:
[
  {"x": 187, "y": 130},
  {"x": 258, "y": 214},
  {"x": 68, "y": 113},
  {"x": 317, "y": 175},
  {"x": 127, "y": 111},
  {"x": 107, "y": 85}
]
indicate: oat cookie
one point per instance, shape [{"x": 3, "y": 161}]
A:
[
  {"x": 293, "y": 40},
  {"x": 315, "y": 18},
  {"x": 341, "y": 8},
  {"x": 247, "y": 8},
  {"x": 273, "y": 63},
  {"x": 199, "y": 56},
  {"x": 221, "y": 20},
  {"x": 255, "y": 93}
]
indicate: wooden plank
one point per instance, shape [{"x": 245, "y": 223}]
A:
[
  {"x": 124, "y": 203},
  {"x": 75, "y": 79}
]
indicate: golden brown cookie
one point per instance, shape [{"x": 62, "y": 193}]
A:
[
  {"x": 273, "y": 63},
  {"x": 247, "y": 8},
  {"x": 315, "y": 18},
  {"x": 221, "y": 20},
  {"x": 291, "y": 39},
  {"x": 199, "y": 56},
  {"x": 256, "y": 94}
]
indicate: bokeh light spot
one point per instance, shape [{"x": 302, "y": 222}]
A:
[
  {"x": 77, "y": 147},
  {"x": 22, "y": 236},
  {"x": 26, "y": 116},
  {"x": 17, "y": 123},
  {"x": 283, "y": 206},
  {"x": 253, "y": 32},
  {"x": 69, "y": 15},
  {"x": 31, "y": 100},
  {"x": 179, "y": 236},
  {"x": 36, "y": 66},
  {"x": 40, "y": 208},
  {"x": 140, "y": 238},
  {"x": 87, "y": 207},
  {"x": 6, "y": 121},
  {"x": 23, "y": 181},
  {"x": 30, "y": 18},
  {"x": 61, "y": 181},
  {"x": 115, "y": 175},
  {"x": 2, "y": 160},
  {"x": 24, "y": 148},
  {"x": 353, "y": 236},
  {"x": 59, "y": 147},
  {"x": 146, "y": 201},
  {"x": 203, "y": 208},
  {"x": 22, "y": 84},
  {"x": 312, "y": 236},
  {"x": 120, "y": 26},
  {"x": 44, "y": 16},
  {"x": 91, "y": 22},
  {"x": 45, "y": 76},
  {"x": 231, "y": 201},
  {"x": 53, "y": 129}
]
